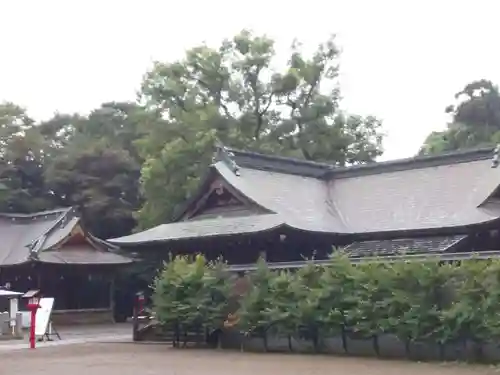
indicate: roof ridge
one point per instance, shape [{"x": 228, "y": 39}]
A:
[
  {"x": 275, "y": 163},
  {"x": 36, "y": 214},
  {"x": 415, "y": 162},
  {"x": 322, "y": 170},
  {"x": 280, "y": 158}
]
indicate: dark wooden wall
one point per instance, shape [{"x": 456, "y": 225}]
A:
[{"x": 73, "y": 287}]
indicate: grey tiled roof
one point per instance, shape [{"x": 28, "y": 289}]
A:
[
  {"x": 302, "y": 201},
  {"x": 449, "y": 195},
  {"x": 420, "y": 194},
  {"x": 30, "y": 237},
  {"x": 81, "y": 255},
  {"x": 410, "y": 194},
  {"x": 403, "y": 246},
  {"x": 203, "y": 228}
]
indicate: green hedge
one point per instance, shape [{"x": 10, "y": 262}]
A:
[{"x": 415, "y": 301}]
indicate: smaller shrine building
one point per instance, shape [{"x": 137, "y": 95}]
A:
[{"x": 52, "y": 252}]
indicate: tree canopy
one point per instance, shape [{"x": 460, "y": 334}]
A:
[
  {"x": 475, "y": 120},
  {"x": 132, "y": 164},
  {"x": 235, "y": 94},
  {"x": 72, "y": 160}
]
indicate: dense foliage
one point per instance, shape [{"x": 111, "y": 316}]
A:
[
  {"x": 192, "y": 295},
  {"x": 235, "y": 93},
  {"x": 415, "y": 301},
  {"x": 475, "y": 120},
  {"x": 70, "y": 160},
  {"x": 129, "y": 162}
]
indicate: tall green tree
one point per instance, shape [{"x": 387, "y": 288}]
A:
[
  {"x": 102, "y": 183},
  {"x": 23, "y": 152},
  {"x": 192, "y": 295},
  {"x": 89, "y": 162},
  {"x": 97, "y": 167},
  {"x": 233, "y": 93},
  {"x": 475, "y": 120}
]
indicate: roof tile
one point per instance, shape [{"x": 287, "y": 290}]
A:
[{"x": 403, "y": 246}]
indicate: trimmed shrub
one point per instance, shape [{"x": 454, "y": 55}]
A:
[
  {"x": 191, "y": 295},
  {"x": 417, "y": 302}
]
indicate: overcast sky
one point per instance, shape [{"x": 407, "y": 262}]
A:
[{"x": 402, "y": 60}]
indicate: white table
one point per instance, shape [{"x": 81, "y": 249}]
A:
[{"x": 10, "y": 294}]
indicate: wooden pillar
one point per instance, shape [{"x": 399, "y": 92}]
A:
[
  {"x": 112, "y": 295},
  {"x": 34, "y": 272},
  {"x": 39, "y": 276}
]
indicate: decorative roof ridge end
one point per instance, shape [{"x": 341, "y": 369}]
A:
[
  {"x": 495, "y": 159},
  {"x": 35, "y": 245},
  {"x": 225, "y": 155}
]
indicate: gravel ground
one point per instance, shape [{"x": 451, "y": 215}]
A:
[{"x": 143, "y": 359}]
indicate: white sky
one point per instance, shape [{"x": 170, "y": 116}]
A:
[{"x": 402, "y": 60}]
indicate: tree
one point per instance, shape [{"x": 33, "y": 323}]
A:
[
  {"x": 102, "y": 183},
  {"x": 23, "y": 151},
  {"x": 475, "y": 120},
  {"x": 117, "y": 125},
  {"x": 422, "y": 294},
  {"x": 192, "y": 295},
  {"x": 307, "y": 291},
  {"x": 233, "y": 93},
  {"x": 95, "y": 166},
  {"x": 338, "y": 300},
  {"x": 281, "y": 315},
  {"x": 71, "y": 160},
  {"x": 257, "y": 302},
  {"x": 373, "y": 287}
]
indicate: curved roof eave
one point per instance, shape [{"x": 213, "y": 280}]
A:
[{"x": 208, "y": 228}]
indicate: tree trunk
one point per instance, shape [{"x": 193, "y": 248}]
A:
[
  {"x": 315, "y": 340},
  {"x": 177, "y": 335},
  {"x": 197, "y": 333},
  {"x": 185, "y": 337},
  {"x": 344, "y": 339},
  {"x": 478, "y": 350},
  {"x": 376, "y": 346},
  {"x": 407, "y": 348},
  {"x": 290, "y": 343},
  {"x": 441, "y": 351},
  {"x": 135, "y": 327}
]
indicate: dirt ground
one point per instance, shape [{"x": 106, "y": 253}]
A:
[{"x": 128, "y": 359}]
